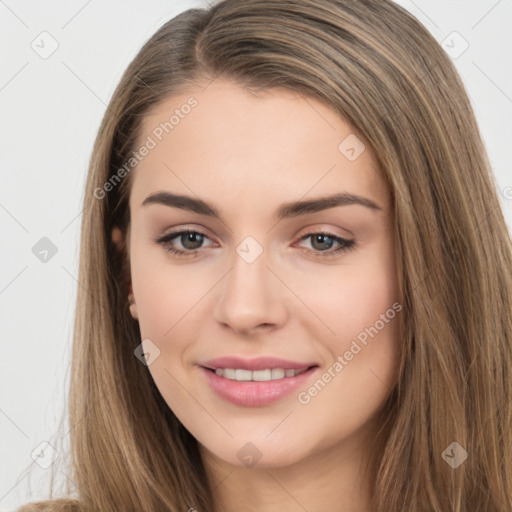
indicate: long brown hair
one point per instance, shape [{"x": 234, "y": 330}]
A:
[{"x": 386, "y": 76}]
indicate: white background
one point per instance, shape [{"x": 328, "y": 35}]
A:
[{"x": 50, "y": 110}]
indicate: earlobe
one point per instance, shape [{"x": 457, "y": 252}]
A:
[
  {"x": 117, "y": 238},
  {"x": 133, "y": 306}
]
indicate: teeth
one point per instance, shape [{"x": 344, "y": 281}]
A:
[
  {"x": 279, "y": 373},
  {"x": 261, "y": 375},
  {"x": 257, "y": 375},
  {"x": 243, "y": 375}
]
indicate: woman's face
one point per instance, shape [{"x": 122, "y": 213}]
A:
[{"x": 311, "y": 287}]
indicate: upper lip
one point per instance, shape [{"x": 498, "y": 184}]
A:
[{"x": 257, "y": 363}]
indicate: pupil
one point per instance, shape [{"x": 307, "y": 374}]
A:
[
  {"x": 319, "y": 239},
  {"x": 191, "y": 237}
]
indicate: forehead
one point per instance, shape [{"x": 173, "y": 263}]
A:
[{"x": 224, "y": 141}]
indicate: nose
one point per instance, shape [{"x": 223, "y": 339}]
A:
[{"x": 252, "y": 297}]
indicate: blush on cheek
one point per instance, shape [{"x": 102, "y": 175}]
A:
[
  {"x": 361, "y": 307},
  {"x": 368, "y": 318},
  {"x": 170, "y": 318}
]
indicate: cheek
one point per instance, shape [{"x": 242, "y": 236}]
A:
[
  {"x": 358, "y": 306},
  {"x": 363, "y": 360},
  {"x": 351, "y": 299},
  {"x": 165, "y": 293}
]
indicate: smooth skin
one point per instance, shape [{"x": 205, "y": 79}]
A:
[{"x": 247, "y": 154}]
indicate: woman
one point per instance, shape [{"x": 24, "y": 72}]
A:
[{"x": 224, "y": 358}]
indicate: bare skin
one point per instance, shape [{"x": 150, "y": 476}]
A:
[{"x": 247, "y": 155}]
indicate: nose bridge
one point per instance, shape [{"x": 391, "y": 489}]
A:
[{"x": 249, "y": 293}]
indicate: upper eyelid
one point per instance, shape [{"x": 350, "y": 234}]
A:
[
  {"x": 181, "y": 231},
  {"x": 312, "y": 231}
]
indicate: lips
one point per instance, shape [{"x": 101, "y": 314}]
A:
[{"x": 255, "y": 392}]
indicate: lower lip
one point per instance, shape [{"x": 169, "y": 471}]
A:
[{"x": 254, "y": 394}]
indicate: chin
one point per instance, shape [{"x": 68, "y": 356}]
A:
[{"x": 257, "y": 453}]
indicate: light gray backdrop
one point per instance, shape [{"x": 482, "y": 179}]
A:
[{"x": 61, "y": 63}]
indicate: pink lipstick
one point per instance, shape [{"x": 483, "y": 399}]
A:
[{"x": 255, "y": 382}]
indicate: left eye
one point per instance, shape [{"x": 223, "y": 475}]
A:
[
  {"x": 319, "y": 239},
  {"x": 192, "y": 241}
]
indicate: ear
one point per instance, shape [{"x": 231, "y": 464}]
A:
[{"x": 126, "y": 285}]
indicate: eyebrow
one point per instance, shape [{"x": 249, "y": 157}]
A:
[{"x": 286, "y": 210}]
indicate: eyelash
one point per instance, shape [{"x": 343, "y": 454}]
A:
[{"x": 345, "y": 245}]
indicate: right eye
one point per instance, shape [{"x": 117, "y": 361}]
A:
[{"x": 191, "y": 242}]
